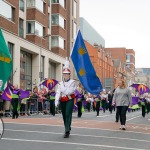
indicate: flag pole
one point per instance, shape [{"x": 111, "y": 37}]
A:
[{"x": 74, "y": 42}]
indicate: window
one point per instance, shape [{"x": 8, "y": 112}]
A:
[
  {"x": 39, "y": 4},
  {"x": 35, "y": 28},
  {"x": 127, "y": 58},
  {"x": 75, "y": 9},
  {"x": 49, "y": 20},
  {"x": 21, "y": 30},
  {"x": 61, "y": 2},
  {"x": 128, "y": 65},
  {"x": 74, "y": 30},
  {"x": 6, "y": 10},
  {"x": 57, "y": 41},
  {"x": 52, "y": 70},
  {"x": 25, "y": 70},
  {"x": 49, "y": 2},
  {"x": 21, "y": 5},
  {"x": 58, "y": 20},
  {"x": 11, "y": 47},
  {"x": 30, "y": 3}
]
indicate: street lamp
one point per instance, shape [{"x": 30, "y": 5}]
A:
[
  {"x": 122, "y": 75},
  {"x": 41, "y": 73}
]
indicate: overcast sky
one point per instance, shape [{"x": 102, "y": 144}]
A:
[{"x": 122, "y": 23}]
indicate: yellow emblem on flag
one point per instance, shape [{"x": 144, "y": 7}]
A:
[
  {"x": 81, "y": 51},
  {"x": 81, "y": 72},
  {"x": 5, "y": 59}
]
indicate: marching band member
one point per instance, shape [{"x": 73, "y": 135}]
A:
[{"x": 65, "y": 93}]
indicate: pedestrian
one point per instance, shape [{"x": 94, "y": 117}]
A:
[
  {"x": 110, "y": 101},
  {"x": 122, "y": 97},
  {"x": 79, "y": 98},
  {"x": 1, "y": 104},
  {"x": 89, "y": 100},
  {"x": 65, "y": 93},
  {"x": 142, "y": 100},
  {"x": 104, "y": 100},
  {"x": 52, "y": 94},
  {"x": 97, "y": 100},
  {"x": 15, "y": 101}
]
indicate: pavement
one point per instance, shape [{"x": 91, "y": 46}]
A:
[{"x": 45, "y": 132}]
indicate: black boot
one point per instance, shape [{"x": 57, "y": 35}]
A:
[{"x": 67, "y": 134}]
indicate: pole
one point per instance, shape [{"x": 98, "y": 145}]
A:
[{"x": 40, "y": 74}]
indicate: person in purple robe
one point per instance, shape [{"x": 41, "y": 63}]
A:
[{"x": 79, "y": 99}]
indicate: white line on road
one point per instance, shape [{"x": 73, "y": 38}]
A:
[
  {"x": 75, "y": 127},
  {"x": 83, "y": 135},
  {"x": 104, "y": 116},
  {"x": 69, "y": 143},
  {"x": 132, "y": 118}
]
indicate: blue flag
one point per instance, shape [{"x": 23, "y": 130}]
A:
[{"x": 84, "y": 68}]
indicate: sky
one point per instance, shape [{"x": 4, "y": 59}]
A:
[{"x": 122, "y": 23}]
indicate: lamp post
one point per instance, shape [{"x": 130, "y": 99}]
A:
[
  {"x": 41, "y": 73},
  {"x": 122, "y": 74}
]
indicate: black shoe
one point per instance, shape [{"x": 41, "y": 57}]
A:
[
  {"x": 116, "y": 121},
  {"x": 67, "y": 135}
]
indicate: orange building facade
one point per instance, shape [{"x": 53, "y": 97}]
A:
[{"x": 103, "y": 65}]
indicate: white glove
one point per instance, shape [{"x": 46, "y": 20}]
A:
[{"x": 56, "y": 103}]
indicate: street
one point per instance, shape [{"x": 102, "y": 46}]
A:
[{"x": 44, "y": 132}]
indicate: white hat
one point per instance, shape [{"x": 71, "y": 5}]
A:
[{"x": 66, "y": 67}]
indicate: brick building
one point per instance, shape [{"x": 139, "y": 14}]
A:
[
  {"x": 103, "y": 65},
  {"x": 127, "y": 58},
  {"x": 40, "y": 34}
]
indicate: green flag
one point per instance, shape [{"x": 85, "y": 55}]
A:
[{"x": 5, "y": 62}]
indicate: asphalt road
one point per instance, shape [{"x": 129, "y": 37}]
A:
[{"x": 44, "y": 132}]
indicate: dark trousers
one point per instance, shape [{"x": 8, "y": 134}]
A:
[
  {"x": 79, "y": 104},
  {"x": 143, "y": 110},
  {"x": 110, "y": 107},
  {"x": 117, "y": 115},
  {"x": 104, "y": 105},
  {"x": 94, "y": 108},
  {"x": 22, "y": 109},
  {"x": 1, "y": 106},
  {"x": 52, "y": 107},
  {"x": 15, "y": 103},
  {"x": 40, "y": 107},
  {"x": 1, "y": 109},
  {"x": 122, "y": 110},
  {"x": 67, "y": 109},
  {"x": 97, "y": 107},
  {"x": 88, "y": 106}
]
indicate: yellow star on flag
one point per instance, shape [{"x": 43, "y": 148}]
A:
[
  {"x": 81, "y": 51},
  {"x": 82, "y": 72}
]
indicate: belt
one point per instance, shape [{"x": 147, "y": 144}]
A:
[{"x": 66, "y": 98}]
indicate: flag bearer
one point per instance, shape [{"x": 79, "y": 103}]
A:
[{"x": 65, "y": 93}]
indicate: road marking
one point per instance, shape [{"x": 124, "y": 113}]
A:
[
  {"x": 69, "y": 143},
  {"x": 104, "y": 116},
  {"x": 83, "y": 135},
  {"x": 77, "y": 127},
  {"x": 132, "y": 118}
]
